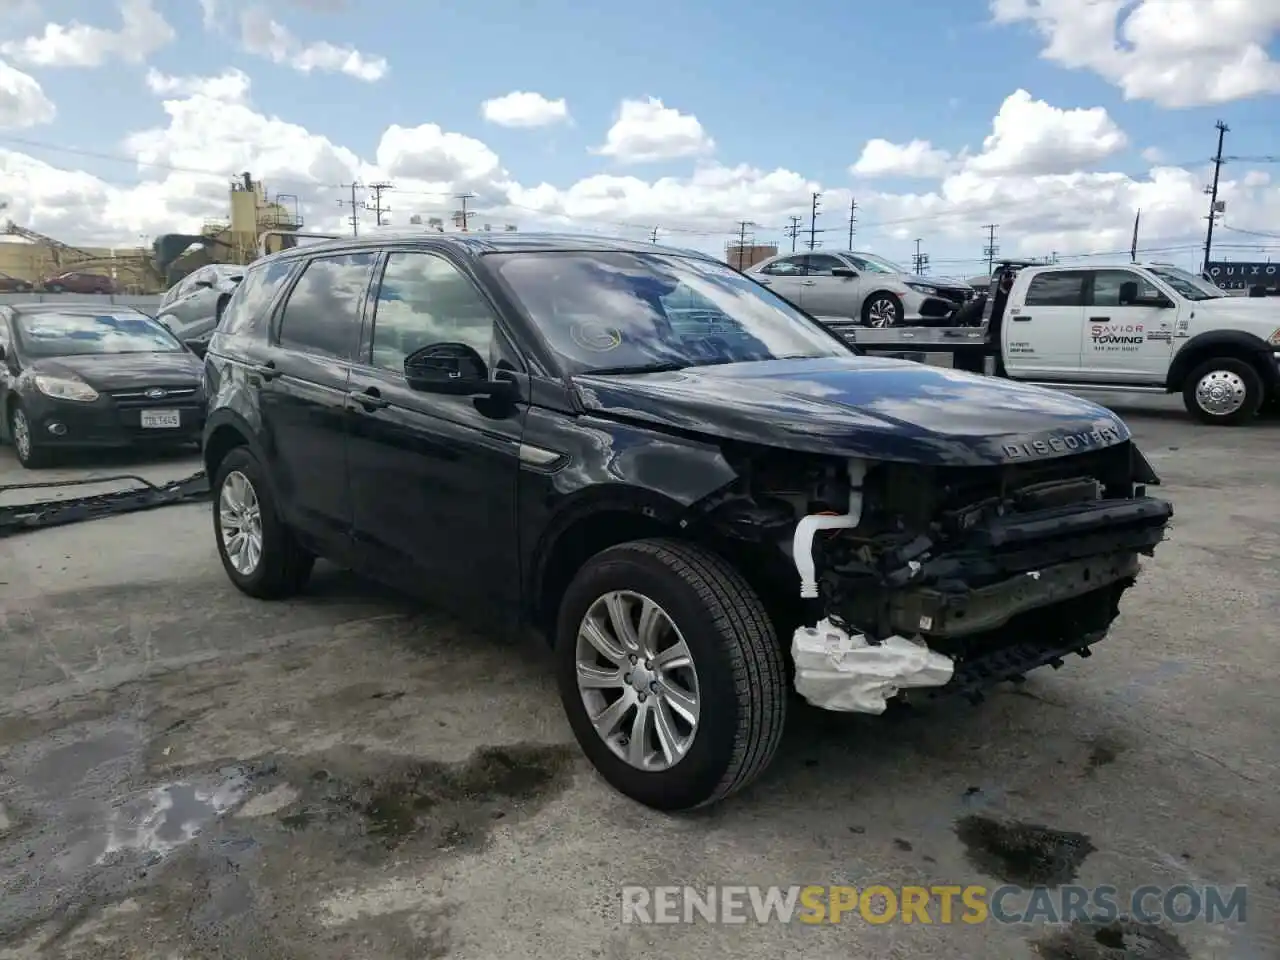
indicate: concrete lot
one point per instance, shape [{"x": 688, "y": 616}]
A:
[{"x": 188, "y": 773}]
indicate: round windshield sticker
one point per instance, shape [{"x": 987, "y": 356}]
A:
[{"x": 595, "y": 337}]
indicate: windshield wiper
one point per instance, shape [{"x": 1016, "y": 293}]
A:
[{"x": 637, "y": 368}]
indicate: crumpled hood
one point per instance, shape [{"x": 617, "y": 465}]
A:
[
  {"x": 120, "y": 371},
  {"x": 869, "y": 407}
]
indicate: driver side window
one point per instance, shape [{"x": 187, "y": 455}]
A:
[
  {"x": 821, "y": 265},
  {"x": 422, "y": 300}
]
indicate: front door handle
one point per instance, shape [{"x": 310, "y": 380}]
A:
[
  {"x": 370, "y": 399},
  {"x": 1023, "y": 319},
  {"x": 267, "y": 371},
  {"x": 807, "y": 283},
  {"x": 1099, "y": 319}
]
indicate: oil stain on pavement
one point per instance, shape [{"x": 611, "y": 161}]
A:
[
  {"x": 94, "y": 852},
  {"x": 1115, "y": 940},
  {"x": 1029, "y": 855}
]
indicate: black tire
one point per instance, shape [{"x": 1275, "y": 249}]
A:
[
  {"x": 35, "y": 456},
  {"x": 1234, "y": 373},
  {"x": 284, "y": 566},
  {"x": 889, "y": 301},
  {"x": 740, "y": 665}
]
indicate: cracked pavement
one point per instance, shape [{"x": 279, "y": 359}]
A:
[{"x": 188, "y": 773}]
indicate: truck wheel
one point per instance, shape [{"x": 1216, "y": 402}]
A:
[
  {"x": 1223, "y": 391},
  {"x": 258, "y": 551},
  {"x": 670, "y": 672},
  {"x": 882, "y": 310}
]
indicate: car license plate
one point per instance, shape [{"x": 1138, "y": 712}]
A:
[{"x": 161, "y": 419}]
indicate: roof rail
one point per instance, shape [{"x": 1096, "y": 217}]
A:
[{"x": 289, "y": 239}]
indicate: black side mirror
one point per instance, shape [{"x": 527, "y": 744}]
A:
[
  {"x": 198, "y": 347},
  {"x": 843, "y": 272},
  {"x": 1, "y": 353},
  {"x": 455, "y": 369}
]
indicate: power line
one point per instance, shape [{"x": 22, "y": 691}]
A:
[
  {"x": 378, "y": 208},
  {"x": 793, "y": 231},
  {"x": 813, "y": 221},
  {"x": 1213, "y": 193},
  {"x": 742, "y": 242},
  {"x": 462, "y": 218},
  {"x": 920, "y": 262},
  {"x": 355, "y": 205},
  {"x": 991, "y": 249}
]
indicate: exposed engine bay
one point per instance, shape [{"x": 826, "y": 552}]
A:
[{"x": 948, "y": 579}]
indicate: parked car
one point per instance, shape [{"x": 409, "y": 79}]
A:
[
  {"x": 9, "y": 284},
  {"x": 862, "y": 286},
  {"x": 192, "y": 307},
  {"x": 515, "y": 427},
  {"x": 76, "y": 376},
  {"x": 77, "y": 281}
]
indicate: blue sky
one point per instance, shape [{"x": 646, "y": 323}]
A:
[{"x": 801, "y": 92}]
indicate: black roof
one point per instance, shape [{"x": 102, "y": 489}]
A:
[
  {"x": 71, "y": 306},
  {"x": 475, "y": 244}
]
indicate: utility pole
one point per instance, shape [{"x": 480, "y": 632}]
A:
[
  {"x": 813, "y": 221},
  {"x": 853, "y": 219},
  {"x": 653, "y": 235},
  {"x": 355, "y": 205},
  {"x": 793, "y": 231},
  {"x": 990, "y": 250},
  {"x": 742, "y": 242},
  {"x": 1133, "y": 247},
  {"x": 463, "y": 218},
  {"x": 1213, "y": 194},
  {"x": 378, "y": 208},
  {"x": 920, "y": 261}
]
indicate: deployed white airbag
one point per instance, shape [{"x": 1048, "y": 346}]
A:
[{"x": 836, "y": 671}]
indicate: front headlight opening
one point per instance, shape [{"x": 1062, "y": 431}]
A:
[
  {"x": 64, "y": 388},
  {"x": 921, "y": 288}
]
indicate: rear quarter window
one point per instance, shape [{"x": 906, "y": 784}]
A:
[
  {"x": 254, "y": 296},
  {"x": 1059, "y": 289}
]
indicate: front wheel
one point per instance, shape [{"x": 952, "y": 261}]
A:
[
  {"x": 259, "y": 553},
  {"x": 882, "y": 310},
  {"x": 670, "y": 672},
  {"x": 30, "y": 454},
  {"x": 1223, "y": 391}
]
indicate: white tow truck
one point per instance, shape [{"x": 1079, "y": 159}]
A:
[{"x": 1130, "y": 327}]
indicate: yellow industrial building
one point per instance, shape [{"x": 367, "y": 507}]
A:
[{"x": 31, "y": 256}]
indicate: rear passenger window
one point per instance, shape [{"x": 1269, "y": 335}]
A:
[
  {"x": 322, "y": 314},
  {"x": 254, "y": 295},
  {"x": 422, "y": 300},
  {"x": 1065, "y": 289}
]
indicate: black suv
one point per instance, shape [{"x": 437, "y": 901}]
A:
[{"x": 700, "y": 494}]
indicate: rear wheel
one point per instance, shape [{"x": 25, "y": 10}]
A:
[
  {"x": 670, "y": 672},
  {"x": 882, "y": 310},
  {"x": 1223, "y": 391},
  {"x": 258, "y": 552}
]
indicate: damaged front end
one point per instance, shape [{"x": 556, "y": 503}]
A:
[{"x": 947, "y": 580}]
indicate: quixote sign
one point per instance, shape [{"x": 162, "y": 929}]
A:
[{"x": 1242, "y": 276}]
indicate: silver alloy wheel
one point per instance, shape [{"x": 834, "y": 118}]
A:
[
  {"x": 21, "y": 434},
  {"x": 240, "y": 523},
  {"x": 1221, "y": 392},
  {"x": 637, "y": 680},
  {"x": 882, "y": 313}
]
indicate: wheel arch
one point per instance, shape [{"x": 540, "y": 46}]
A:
[
  {"x": 1236, "y": 344},
  {"x": 870, "y": 298},
  {"x": 224, "y": 431},
  {"x": 588, "y": 523}
]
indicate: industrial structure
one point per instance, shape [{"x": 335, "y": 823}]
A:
[{"x": 743, "y": 255}]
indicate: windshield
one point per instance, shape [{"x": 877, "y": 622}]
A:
[
  {"x": 76, "y": 334},
  {"x": 873, "y": 264},
  {"x": 1187, "y": 284},
  {"x": 632, "y": 313}
]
